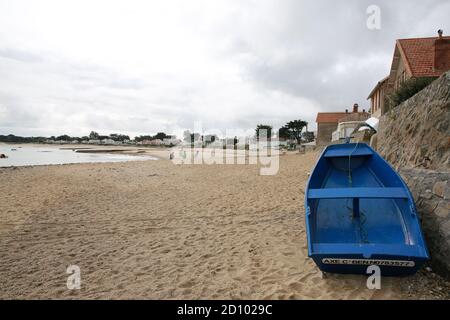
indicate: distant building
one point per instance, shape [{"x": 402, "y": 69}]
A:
[
  {"x": 413, "y": 58},
  {"x": 156, "y": 142},
  {"x": 172, "y": 141},
  {"x": 327, "y": 122},
  {"x": 108, "y": 141}
]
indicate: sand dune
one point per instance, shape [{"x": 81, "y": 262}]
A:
[{"x": 156, "y": 230}]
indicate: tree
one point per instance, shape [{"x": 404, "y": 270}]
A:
[
  {"x": 187, "y": 136},
  {"x": 293, "y": 129},
  {"x": 119, "y": 137},
  {"x": 285, "y": 133},
  {"x": 263, "y": 130},
  {"x": 308, "y": 136},
  {"x": 142, "y": 138},
  {"x": 160, "y": 136},
  {"x": 64, "y": 137},
  {"x": 93, "y": 135}
]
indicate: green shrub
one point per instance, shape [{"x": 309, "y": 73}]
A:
[{"x": 406, "y": 90}]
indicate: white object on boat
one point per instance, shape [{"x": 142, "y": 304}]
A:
[{"x": 372, "y": 123}]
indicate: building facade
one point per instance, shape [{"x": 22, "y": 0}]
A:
[
  {"x": 413, "y": 58},
  {"x": 327, "y": 122}
]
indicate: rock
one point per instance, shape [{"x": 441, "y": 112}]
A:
[
  {"x": 443, "y": 209},
  {"x": 428, "y": 194},
  {"x": 428, "y": 269},
  {"x": 447, "y": 192},
  {"x": 439, "y": 187},
  {"x": 433, "y": 211}
]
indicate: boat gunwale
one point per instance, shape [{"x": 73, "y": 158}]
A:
[{"x": 421, "y": 247}]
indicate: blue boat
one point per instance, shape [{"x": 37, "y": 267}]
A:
[{"x": 359, "y": 212}]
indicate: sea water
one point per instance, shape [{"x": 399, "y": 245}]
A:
[{"x": 23, "y": 155}]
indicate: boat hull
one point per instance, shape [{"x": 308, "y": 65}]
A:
[
  {"x": 359, "y": 212},
  {"x": 357, "y": 264}
]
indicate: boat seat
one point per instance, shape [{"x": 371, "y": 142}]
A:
[
  {"x": 362, "y": 151},
  {"x": 348, "y": 193}
]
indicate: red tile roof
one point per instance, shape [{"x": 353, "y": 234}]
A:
[
  {"x": 336, "y": 117},
  {"x": 418, "y": 54},
  {"x": 330, "y": 117}
]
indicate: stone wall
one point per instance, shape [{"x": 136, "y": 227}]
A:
[
  {"x": 324, "y": 133},
  {"x": 417, "y": 132},
  {"x": 431, "y": 191},
  {"x": 415, "y": 138}
]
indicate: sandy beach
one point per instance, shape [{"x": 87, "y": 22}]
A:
[{"x": 155, "y": 230}]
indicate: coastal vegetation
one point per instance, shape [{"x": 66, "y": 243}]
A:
[
  {"x": 117, "y": 137},
  {"x": 293, "y": 130},
  {"x": 406, "y": 90},
  {"x": 263, "y": 130},
  {"x": 10, "y": 138}
]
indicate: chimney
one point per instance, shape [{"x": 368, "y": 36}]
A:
[
  {"x": 441, "y": 53},
  {"x": 355, "y": 108}
]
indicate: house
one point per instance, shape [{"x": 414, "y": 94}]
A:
[
  {"x": 327, "y": 122},
  {"x": 413, "y": 58},
  {"x": 155, "y": 142},
  {"x": 377, "y": 98},
  {"x": 107, "y": 141},
  {"x": 344, "y": 130},
  {"x": 172, "y": 141}
]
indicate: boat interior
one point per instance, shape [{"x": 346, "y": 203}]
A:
[{"x": 355, "y": 197}]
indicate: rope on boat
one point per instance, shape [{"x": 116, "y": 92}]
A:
[
  {"x": 349, "y": 164},
  {"x": 362, "y": 221},
  {"x": 362, "y": 216},
  {"x": 362, "y": 230}
]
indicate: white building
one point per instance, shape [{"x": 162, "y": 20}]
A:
[
  {"x": 172, "y": 141},
  {"x": 344, "y": 130}
]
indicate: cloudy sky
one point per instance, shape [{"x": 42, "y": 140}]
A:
[{"x": 138, "y": 67}]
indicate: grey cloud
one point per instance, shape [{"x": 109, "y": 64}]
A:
[
  {"x": 289, "y": 59},
  {"x": 20, "y": 55},
  {"x": 316, "y": 37}
]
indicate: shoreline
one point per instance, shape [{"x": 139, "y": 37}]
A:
[{"x": 107, "y": 150}]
